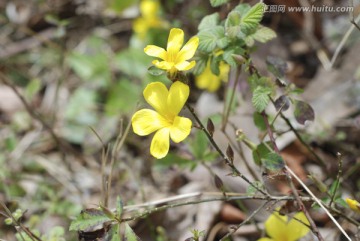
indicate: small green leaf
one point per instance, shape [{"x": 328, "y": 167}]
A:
[
  {"x": 209, "y": 38},
  {"x": 201, "y": 62},
  {"x": 273, "y": 161},
  {"x": 259, "y": 121},
  {"x": 341, "y": 202},
  {"x": 119, "y": 207},
  {"x": 252, "y": 18},
  {"x": 251, "y": 190},
  {"x": 113, "y": 234},
  {"x": 209, "y": 21},
  {"x": 264, "y": 34},
  {"x": 153, "y": 70},
  {"x": 260, "y": 152},
  {"x": 88, "y": 219},
  {"x": 129, "y": 234},
  {"x": 232, "y": 24},
  {"x": 199, "y": 145},
  {"x": 303, "y": 112},
  {"x": 217, "y": 3},
  {"x": 173, "y": 159},
  {"x": 333, "y": 188},
  {"x": 261, "y": 98}
]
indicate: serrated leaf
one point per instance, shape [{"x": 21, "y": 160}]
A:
[
  {"x": 273, "y": 161},
  {"x": 282, "y": 103},
  {"x": 208, "y": 38},
  {"x": 129, "y": 234},
  {"x": 264, "y": 34},
  {"x": 261, "y": 98},
  {"x": 252, "y": 18},
  {"x": 217, "y": 3},
  {"x": 303, "y": 112},
  {"x": 201, "y": 62},
  {"x": 215, "y": 65},
  {"x": 223, "y": 42},
  {"x": 232, "y": 24},
  {"x": 209, "y": 21},
  {"x": 113, "y": 234},
  {"x": 88, "y": 220}
]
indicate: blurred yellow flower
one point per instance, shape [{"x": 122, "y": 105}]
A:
[
  {"x": 164, "y": 120},
  {"x": 149, "y": 10},
  {"x": 280, "y": 228},
  {"x": 209, "y": 81},
  {"x": 353, "y": 204},
  {"x": 174, "y": 57}
]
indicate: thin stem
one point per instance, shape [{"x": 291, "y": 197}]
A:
[
  {"x": 314, "y": 228},
  {"x": 233, "y": 230},
  {"x": 337, "y": 182},
  {"x": 222, "y": 154},
  {"x": 299, "y": 137}
]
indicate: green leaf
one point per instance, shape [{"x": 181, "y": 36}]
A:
[
  {"x": 217, "y": 3},
  {"x": 252, "y": 18},
  {"x": 232, "y": 24},
  {"x": 88, "y": 220},
  {"x": 209, "y": 21},
  {"x": 334, "y": 187},
  {"x": 303, "y": 112},
  {"x": 341, "y": 202},
  {"x": 129, "y": 234},
  {"x": 155, "y": 71},
  {"x": 113, "y": 234},
  {"x": 264, "y": 34},
  {"x": 120, "y": 5},
  {"x": 201, "y": 62},
  {"x": 261, "y": 98},
  {"x": 259, "y": 121},
  {"x": 214, "y": 65},
  {"x": 260, "y": 152},
  {"x": 251, "y": 190},
  {"x": 119, "y": 207},
  {"x": 273, "y": 161},
  {"x": 209, "y": 38}
]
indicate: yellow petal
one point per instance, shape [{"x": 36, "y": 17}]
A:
[
  {"x": 353, "y": 204},
  {"x": 266, "y": 239},
  {"x": 180, "y": 129},
  {"x": 275, "y": 226},
  {"x": 147, "y": 121},
  {"x": 295, "y": 229},
  {"x": 149, "y": 8},
  {"x": 189, "y": 49},
  {"x": 156, "y": 94},
  {"x": 140, "y": 27},
  {"x": 175, "y": 41},
  {"x": 160, "y": 143},
  {"x": 155, "y": 51},
  {"x": 178, "y": 94},
  {"x": 185, "y": 65},
  {"x": 163, "y": 64},
  {"x": 207, "y": 80}
]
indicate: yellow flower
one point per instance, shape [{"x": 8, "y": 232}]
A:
[
  {"x": 280, "y": 228},
  {"x": 211, "y": 82},
  {"x": 353, "y": 204},
  {"x": 164, "y": 120},
  {"x": 174, "y": 57},
  {"x": 149, "y": 10}
]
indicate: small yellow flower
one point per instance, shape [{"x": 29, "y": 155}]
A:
[
  {"x": 280, "y": 228},
  {"x": 174, "y": 58},
  {"x": 164, "y": 120},
  {"x": 149, "y": 10},
  {"x": 353, "y": 204},
  {"x": 211, "y": 82}
]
